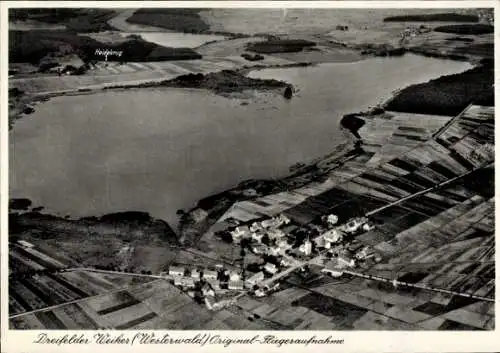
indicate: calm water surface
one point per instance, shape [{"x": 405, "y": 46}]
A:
[{"x": 159, "y": 150}]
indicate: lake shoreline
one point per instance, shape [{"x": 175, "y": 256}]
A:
[
  {"x": 189, "y": 230},
  {"x": 222, "y": 83}
]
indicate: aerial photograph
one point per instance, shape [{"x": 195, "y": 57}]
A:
[{"x": 251, "y": 169}]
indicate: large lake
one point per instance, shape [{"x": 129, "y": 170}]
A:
[{"x": 159, "y": 150}]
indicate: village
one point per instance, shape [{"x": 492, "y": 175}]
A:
[{"x": 281, "y": 247}]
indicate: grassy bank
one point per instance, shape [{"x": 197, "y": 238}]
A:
[
  {"x": 98, "y": 241},
  {"x": 447, "y": 95},
  {"x": 179, "y": 20},
  {"x": 435, "y": 17}
]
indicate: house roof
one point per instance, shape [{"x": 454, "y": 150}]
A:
[
  {"x": 257, "y": 276},
  {"x": 344, "y": 258},
  {"x": 209, "y": 273},
  {"x": 270, "y": 265},
  {"x": 235, "y": 283}
]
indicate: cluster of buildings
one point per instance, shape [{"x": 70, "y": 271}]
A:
[
  {"x": 257, "y": 230},
  {"x": 335, "y": 268},
  {"x": 267, "y": 239},
  {"x": 278, "y": 249},
  {"x": 335, "y": 235},
  {"x": 213, "y": 279}
]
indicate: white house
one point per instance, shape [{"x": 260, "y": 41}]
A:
[
  {"x": 195, "y": 274},
  {"x": 367, "y": 227},
  {"x": 273, "y": 288},
  {"x": 260, "y": 293},
  {"x": 322, "y": 243},
  {"x": 344, "y": 261},
  {"x": 234, "y": 276},
  {"x": 187, "y": 282},
  {"x": 255, "y": 279},
  {"x": 276, "y": 234},
  {"x": 240, "y": 232},
  {"x": 271, "y": 268},
  {"x": 184, "y": 282},
  {"x": 176, "y": 271},
  {"x": 353, "y": 225},
  {"x": 306, "y": 248},
  {"x": 333, "y": 236},
  {"x": 257, "y": 236},
  {"x": 209, "y": 274},
  {"x": 268, "y": 223}
]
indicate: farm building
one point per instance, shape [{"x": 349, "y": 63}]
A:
[
  {"x": 234, "y": 276},
  {"x": 187, "y": 282},
  {"x": 209, "y": 274},
  {"x": 195, "y": 274},
  {"x": 333, "y": 236},
  {"x": 354, "y": 224},
  {"x": 276, "y": 234},
  {"x": 240, "y": 232},
  {"x": 345, "y": 261},
  {"x": 259, "y": 249},
  {"x": 255, "y": 278},
  {"x": 333, "y": 271},
  {"x": 235, "y": 285},
  {"x": 176, "y": 271},
  {"x": 306, "y": 248},
  {"x": 271, "y": 268}
]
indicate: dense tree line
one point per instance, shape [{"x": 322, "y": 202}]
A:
[{"x": 447, "y": 95}]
